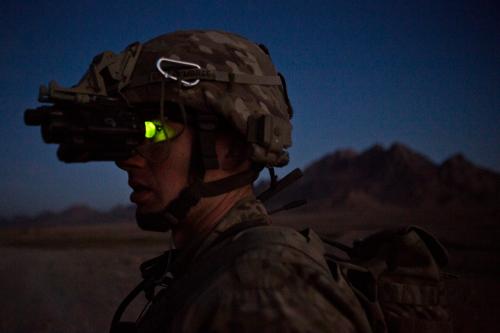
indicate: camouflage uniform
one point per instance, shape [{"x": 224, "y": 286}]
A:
[{"x": 280, "y": 285}]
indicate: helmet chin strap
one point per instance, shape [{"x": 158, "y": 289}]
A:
[{"x": 178, "y": 209}]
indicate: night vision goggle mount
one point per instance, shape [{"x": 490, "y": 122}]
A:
[{"x": 87, "y": 121}]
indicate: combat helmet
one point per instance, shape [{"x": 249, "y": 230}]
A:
[{"x": 204, "y": 70}]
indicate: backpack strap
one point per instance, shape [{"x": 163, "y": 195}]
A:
[
  {"x": 243, "y": 237},
  {"x": 236, "y": 229},
  {"x": 394, "y": 248},
  {"x": 153, "y": 269}
]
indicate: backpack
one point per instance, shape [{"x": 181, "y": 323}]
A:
[{"x": 398, "y": 278}]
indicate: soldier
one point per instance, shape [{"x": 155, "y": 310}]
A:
[
  {"x": 224, "y": 115},
  {"x": 193, "y": 117}
]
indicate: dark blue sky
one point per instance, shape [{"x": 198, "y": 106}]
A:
[{"x": 425, "y": 73}]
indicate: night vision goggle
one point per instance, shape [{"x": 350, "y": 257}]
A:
[
  {"x": 93, "y": 121},
  {"x": 101, "y": 130}
]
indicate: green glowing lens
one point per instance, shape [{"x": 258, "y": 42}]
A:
[
  {"x": 157, "y": 131},
  {"x": 150, "y": 129}
]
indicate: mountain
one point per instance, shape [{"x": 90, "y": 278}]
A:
[
  {"x": 397, "y": 176},
  {"x": 74, "y": 215},
  {"x": 375, "y": 178}
]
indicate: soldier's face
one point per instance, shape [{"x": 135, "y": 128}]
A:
[{"x": 155, "y": 183}]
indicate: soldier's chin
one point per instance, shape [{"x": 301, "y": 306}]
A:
[
  {"x": 144, "y": 209},
  {"x": 155, "y": 221}
]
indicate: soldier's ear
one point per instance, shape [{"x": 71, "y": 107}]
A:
[{"x": 232, "y": 152}]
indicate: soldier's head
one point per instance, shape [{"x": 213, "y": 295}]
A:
[
  {"x": 215, "y": 111},
  {"x": 225, "y": 112}
]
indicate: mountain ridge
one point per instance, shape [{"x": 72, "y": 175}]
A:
[
  {"x": 396, "y": 176},
  {"x": 376, "y": 177}
]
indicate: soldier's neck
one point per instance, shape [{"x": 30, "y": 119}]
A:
[{"x": 206, "y": 214}]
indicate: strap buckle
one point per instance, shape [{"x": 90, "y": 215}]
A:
[{"x": 176, "y": 66}]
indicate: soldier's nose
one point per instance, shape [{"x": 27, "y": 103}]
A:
[{"x": 136, "y": 161}]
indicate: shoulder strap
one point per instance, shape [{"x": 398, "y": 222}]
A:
[
  {"x": 255, "y": 234},
  {"x": 236, "y": 229},
  {"x": 151, "y": 269}
]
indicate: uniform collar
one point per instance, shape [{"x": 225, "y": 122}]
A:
[{"x": 247, "y": 209}]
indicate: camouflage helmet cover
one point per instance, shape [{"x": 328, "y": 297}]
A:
[{"x": 240, "y": 104}]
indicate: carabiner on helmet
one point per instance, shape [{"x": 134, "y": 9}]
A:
[{"x": 177, "y": 64}]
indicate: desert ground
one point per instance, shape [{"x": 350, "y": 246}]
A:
[{"x": 71, "y": 279}]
